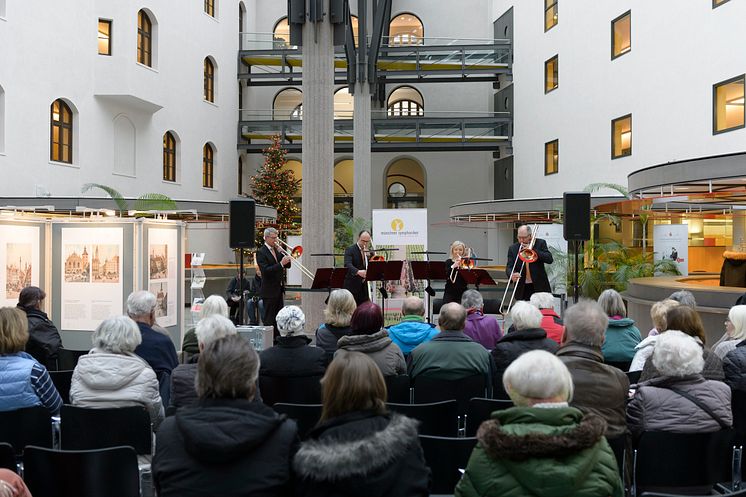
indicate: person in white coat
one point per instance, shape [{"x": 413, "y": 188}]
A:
[{"x": 111, "y": 375}]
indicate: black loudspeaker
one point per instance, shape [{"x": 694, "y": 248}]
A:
[
  {"x": 242, "y": 219},
  {"x": 577, "y": 207}
]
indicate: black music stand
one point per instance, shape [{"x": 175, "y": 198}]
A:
[
  {"x": 383, "y": 271},
  {"x": 477, "y": 277},
  {"x": 327, "y": 278},
  {"x": 429, "y": 270}
]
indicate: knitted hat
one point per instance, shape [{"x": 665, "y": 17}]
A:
[{"x": 290, "y": 320}]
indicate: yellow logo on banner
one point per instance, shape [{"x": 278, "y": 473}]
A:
[{"x": 397, "y": 224}]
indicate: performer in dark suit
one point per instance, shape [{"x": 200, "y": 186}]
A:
[
  {"x": 356, "y": 262},
  {"x": 272, "y": 265},
  {"x": 533, "y": 278},
  {"x": 455, "y": 285}
]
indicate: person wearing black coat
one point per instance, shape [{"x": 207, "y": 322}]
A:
[
  {"x": 272, "y": 265},
  {"x": 292, "y": 355},
  {"x": 228, "y": 445},
  {"x": 356, "y": 264},
  {"x": 44, "y": 340},
  {"x": 455, "y": 283},
  {"x": 531, "y": 277}
]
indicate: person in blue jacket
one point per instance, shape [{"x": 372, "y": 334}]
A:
[{"x": 412, "y": 330}]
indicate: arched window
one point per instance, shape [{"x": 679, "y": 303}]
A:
[
  {"x": 281, "y": 34},
  {"x": 208, "y": 156},
  {"x": 344, "y": 104},
  {"x": 288, "y": 104},
  {"x": 209, "y": 77},
  {"x": 405, "y": 101},
  {"x": 144, "y": 39},
  {"x": 61, "y": 136},
  {"x": 406, "y": 29},
  {"x": 405, "y": 184},
  {"x": 169, "y": 157}
]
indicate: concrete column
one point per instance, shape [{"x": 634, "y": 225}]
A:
[
  {"x": 361, "y": 205},
  {"x": 318, "y": 158},
  {"x": 739, "y": 230}
]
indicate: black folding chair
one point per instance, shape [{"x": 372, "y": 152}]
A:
[
  {"x": 67, "y": 359},
  {"x": 433, "y": 390},
  {"x": 62, "y": 380},
  {"x": 86, "y": 428},
  {"x": 82, "y": 473},
  {"x": 480, "y": 410},
  {"x": 399, "y": 389},
  {"x": 290, "y": 389},
  {"x": 305, "y": 415},
  {"x": 8, "y": 457},
  {"x": 437, "y": 418},
  {"x": 28, "y": 426},
  {"x": 739, "y": 493},
  {"x": 446, "y": 456}
]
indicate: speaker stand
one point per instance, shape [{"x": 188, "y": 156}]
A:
[
  {"x": 241, "y": 301},
  {"x": 575, "y": 286}
]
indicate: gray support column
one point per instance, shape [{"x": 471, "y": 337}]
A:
[
  {"x": 318, "y": 158},
  {"x": 739, "y": 230},
  {"x": 361, "y": 204}
]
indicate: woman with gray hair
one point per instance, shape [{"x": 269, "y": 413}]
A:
[
  {"x": 213, "y": 305},
  {"x": 621, "y": 336},
  {"x": 537, "y": 436},
  {"x": 292, "y": 355},
  {"x": 337, "y": 318},
  {"x": 681, "y": 400},
  {"x": 112, "y": 375},
  {"x": 485, "y": 330}
]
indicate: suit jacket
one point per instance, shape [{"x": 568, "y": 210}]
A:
[
  {"x": 354, "y": 263},
  {"x": 538, "y": 273},
  {"x": 273, "y": 273}
]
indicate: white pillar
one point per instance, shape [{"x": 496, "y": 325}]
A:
[{"x": 361, "y": 204}]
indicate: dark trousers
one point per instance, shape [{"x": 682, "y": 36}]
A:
[
  {"x": 528, "y": 290},
  {"x": 272, "y": 305}
]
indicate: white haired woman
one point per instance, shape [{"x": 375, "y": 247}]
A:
[
  {"x": 681, "y": 400},
  {"x": 214, "y": 304},
  {"x": 337, "y": 318},
  {"x": 735, "y": 330},
  {"x": 292, "y": 356},
  {"x": 112, "y": 375},
  {"x": 622, "y": 336},
  {"x": 520, "y": 446}
]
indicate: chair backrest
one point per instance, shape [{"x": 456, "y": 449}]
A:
[
  {"x": 82, "y": 473},
  {"x": 62, "y": 380},
  {"x": 432, "y": 390},
  {"x": 305, "y": 415},
  {"x": 8, "y": 457},
  {"x": 28, "y": 426},
  {"x": 84, "y": 428},
  {"x": 480, "y": 410},
  {"x": 738, "y": 493},
  {"x": 634, "y": 376},
  {"x": 398, "y": 389},
  {"x": 290, "y": 389},
  {"x": 437, "y": 418},
  {"x": 445, "y": 456},
  {"x": 67, "y": 359},
  {"x": 618, "y": 447},
  {"x": 621, "y": 365},
  {"x": 677, "y": 460}
]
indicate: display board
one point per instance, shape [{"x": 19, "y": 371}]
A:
[
  {"x": 162, "y": 263},
  {"x": 671, "y": 241},
  {"x": 20, "y": 254}
]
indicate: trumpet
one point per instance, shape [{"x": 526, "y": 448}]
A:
[
  {"x": 526, "y": 255},
  {"x": 295, "y": 253}
]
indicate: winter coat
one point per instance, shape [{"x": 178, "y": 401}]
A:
[
  {"x": 16, "y": 389},
  {"x": 183, "y": 389},
  {"x": 412, "y": 331},
  {"x": 292, "y": 357},
  {"x": 378, "y": 347},
  {"x": 643, "y": 352},
  {"x": 44, "y": 341},
  {"x": 655, "y": 407},
  {"x": 362, "y": 454},
  {"x": 103, "y": 380},
  {"x": 450, "y": 356},
  {"x": 621, "y": 339},
  {"x": 513, "y": 344},
  {"x": 713, "y": 367},
  {"x": 190, "y": 344},
  {"x": 327, "y": 336},
  {"x": 599, "y": 389},
  {"x": 552, "y": 324},
  {"x": 225, "y": 447},
  {"x": 484, "y": 330},
  {"x": 157, "y": 349},
  {"x": 723, "y": 348},
  {"x": 734, "y": 367},
  {"x": 531, "y": 451}
]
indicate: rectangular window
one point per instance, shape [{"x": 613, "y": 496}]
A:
[
  {"x": 551, "y": 157},
  {"x": 551, "y": 74},
  {"x": 621, "y": 136},
  {"x": 550, "y": 14},
  {"x": 728, "y": 105},
  {"x": 210, "y": 7},
  {"x": 104, "y": 37},
  {"x": 621, "y": 35},
  {"x": 718, "y": 3}
]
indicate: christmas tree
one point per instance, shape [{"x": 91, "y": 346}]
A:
[{"x": 275, "y": 186}]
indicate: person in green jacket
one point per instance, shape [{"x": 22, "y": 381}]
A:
[
  {"x": 622, "y": 336},
  {"x": 541, "y": 447}
]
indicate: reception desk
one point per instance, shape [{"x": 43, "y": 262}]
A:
[{"x": 713, "y": 301}]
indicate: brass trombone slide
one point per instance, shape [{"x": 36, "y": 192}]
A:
[
  {"x": 295, "y": 253},
  {"x": 526, "y": 255}
]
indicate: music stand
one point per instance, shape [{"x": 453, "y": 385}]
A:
[
  {"x": 428, "y": 270},
  {"x": 477, "y": 277},
  {"x": 383, "y": 271},
  {"x": 327, "y": 278}
]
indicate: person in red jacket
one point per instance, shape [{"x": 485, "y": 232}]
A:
[{"x": 550, "y": 321}]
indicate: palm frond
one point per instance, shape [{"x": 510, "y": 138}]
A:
[
  {"x": 594, "y": 187},
  {"x": 155, "y": 202},
  {"x": 114, "y": 194}
]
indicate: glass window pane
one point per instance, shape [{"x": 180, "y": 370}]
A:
[
  {"x": 622, "y": 32},
  {"x": 551, "y": 157},
  {"x": 729, "y": 105},
  {"x": 622, "y": 137},
  {"x": 104, "y": 37},
  {"x": 551, "y": 74},
  {"x": 550, "y": 14}
]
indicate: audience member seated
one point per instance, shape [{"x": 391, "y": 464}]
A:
[
  {"x": 292, "y": 355},
  {"x": 734, "y": 368},
  {"x": 644, "y": 349},
  {"x": 359, "y": 448},
  {"x": 542, "y": 446},
  {"x": 684, "y": 297},
  {"x": 112, "y": 375},
  {"x": 213, "y": 305},
  {"x": 337, "y": 317},
  {"x": 209, "y": 329},
  {"x": 12, "y": 485},
  {"x": 599, "y": 389},
  {"x": 485, "y": 330},
  {"x": 235, "y": 292},
  {"x": 451, "y": 355},
  {"x": 23, "y": 381},
  {"x": 735, "y": 329},
  {"x": 550, "y": 321},
  {"x": 525, "y": 334},
  {"x": 371, "y": 338},
  {"x": 621, "y": 335},
  {"x": 227, "y": 444},
  {"x": 412, "y": 330},
  {"x": 686, "y": 319},
  {"x": 44, "y": 338},
  {"x": 681, "y": 400}
]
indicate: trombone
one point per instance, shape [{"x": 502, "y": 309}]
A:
[
  {"x": 526, "y": 255},
  {"x": 465, "y": 262},
  {"x": 295, "y": 253}
]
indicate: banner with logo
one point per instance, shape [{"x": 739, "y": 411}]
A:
[
  {"x": 404, "y": 231},
  {"x": 671, "y": 241}
]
